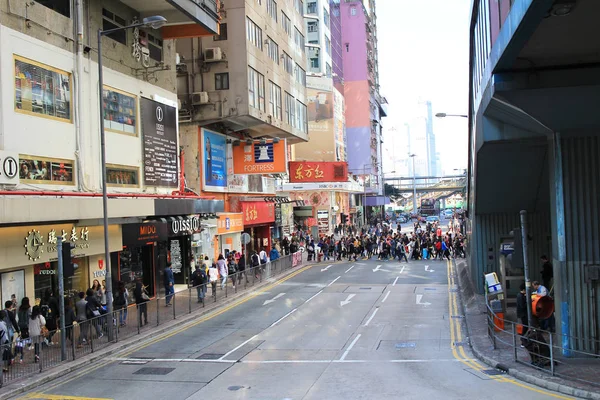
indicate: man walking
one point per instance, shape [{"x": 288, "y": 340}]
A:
[
  {"x": 169, "y": 282},
  {"x": 199, "y": 282}
]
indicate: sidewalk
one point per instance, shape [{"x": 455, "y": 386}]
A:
[
  {"x": 503, "y": 356},
  {"x": 161, "y": 319}
]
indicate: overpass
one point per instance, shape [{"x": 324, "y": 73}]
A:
[{"x": 452, "y": 184}]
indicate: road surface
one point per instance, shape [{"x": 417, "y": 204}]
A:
[{"x": 362, "y": 330}]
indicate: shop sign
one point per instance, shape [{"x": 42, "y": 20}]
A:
[
  {"x": 185, "y": 226},
  {"x": 36, "y": 242},
  {"x": 144, "y": 233},
  {"x": 265, "y": 157},
  {"x": 323, "y": 221},
  {"x": 44, "y": 269},
  {"x": 258, "y": 213},
  {"x": 214, "y": 161},
  {"x": 302, "y": 171},
  {"x": 278, "y": 219},
  {"x": 230, "y": 223}
]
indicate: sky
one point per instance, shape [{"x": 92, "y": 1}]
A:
[{"x": 423, "y": 48}]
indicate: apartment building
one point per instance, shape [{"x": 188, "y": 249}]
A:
[{"x": 50, "y": 184}]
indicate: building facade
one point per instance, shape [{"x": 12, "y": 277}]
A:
[
  {"x": 543, "y": 132},
  {"x": 49, "y": 142}
]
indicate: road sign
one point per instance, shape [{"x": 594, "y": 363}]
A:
[{"x": 246, "y": 238}]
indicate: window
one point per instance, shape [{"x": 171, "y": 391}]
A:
[
  {"x": 328, "y": 70},
  {"x": 222, "y": 81},
  {"x": 112, "y": 21},
  {"x": 312, "y": 26},
  {"x": 300, "y": 75},
  {"x": 273, "y": 49},
  {"x": 256, "y": 89},
  {"x": 327, "y": 45},
  {"x": 120, "y": 111},
  {"x": 33, "y": 169},
  {"x": 325, "y": 17},
  {"x": 155, "y": 46},
  {"x": 311, "y": 7},
  {"x": 286, "y": 23},
  {"x": 42, "y": 90},
  {"x": 275, "y": 100},
  {"x": 301, "y": 115},
  {"x": 254, "y": 33},
  {"x": 353, "y": 11},
  {"x": 122, "y": 176},
  {"x": 222, "y": 33},
  {"x": 290, "y": 109},
  {"x": 272, "y": 9},
  {"x": 288, "y": 64},
  {"x": 299, "y": 40},
  {"x": 299, "y": 4},
  {"x": 60, "y": 6},
  {"x": 314, "y": 63}
]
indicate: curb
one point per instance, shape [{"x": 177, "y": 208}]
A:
[
  {"x": 71, "y": 367},
  {"x": 522, "y": 376}
]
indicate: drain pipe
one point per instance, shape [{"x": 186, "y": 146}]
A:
[{"x": 81, "y": 184}]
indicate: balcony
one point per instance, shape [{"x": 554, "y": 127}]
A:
[{"x": 187, "y": 18}]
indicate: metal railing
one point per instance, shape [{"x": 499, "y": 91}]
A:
[
  {"x": 544, "y": 350},
  {"x": 24, "y": 358}
]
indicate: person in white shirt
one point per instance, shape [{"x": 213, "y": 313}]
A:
[
  {"x": 213, "y": 274},
  {"x": 222, "y": 265},
  {"x": 540, "y": 290}
]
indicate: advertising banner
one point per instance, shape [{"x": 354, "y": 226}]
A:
[
  {"x": 159, "y": 130},
  {"x": 308, "y": 171},
  {"x": 230, "y": 223},
  {"x": 235, "y": 183},
  {"x": 320, "y": 110},
  {"x": 260, "y": 158},
  {"x": 258, "y": 212},
  {"x": 214, "y": 161}
]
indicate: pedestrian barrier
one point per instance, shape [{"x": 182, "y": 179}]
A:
[
  {"x": 27, "y": 357},
  {"x": 545, "y": 350}
]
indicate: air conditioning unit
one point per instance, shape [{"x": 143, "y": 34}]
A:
[
  {"x": 213, "y": 54},
  {"x": 199, "y": 98}
]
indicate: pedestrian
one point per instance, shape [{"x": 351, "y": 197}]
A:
[
  {"x": 98, "y": 292},
  {"x": 522, "y": 312},
  {"x": 5, "y": 342},
  {"x": 81, "y": 318},
  {"x": 11, "y": 320},
  {"x": 169, "y": 282},
  {"x": 69, "y": 318},
  {"x": 92, "y": 311},
  {"x": 49, "y": 310},
  {"x": 255, "y": 259},
  {"x": 199, "y": 282},
  {"x": 274, "y": 254},
  {"x": 547, "y": 271},
  {"x": 213, "y": 274},
  {"x": 242, "y": 269},
  {"x": 23, "y": 315},
  {"x": 222, "y": 266},
  {"x": 141, "y": 301},
  {"x": 36, "y": 323},
  {"x": 263, "y": 256},
  {"x": 120, "y": 303}
]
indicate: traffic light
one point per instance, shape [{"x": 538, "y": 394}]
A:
[
  {"x": 68, "y": 268},
  {"x": 344, "y": 218}
]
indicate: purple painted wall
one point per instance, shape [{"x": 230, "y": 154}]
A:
[
  {"x": 355, "y": 36},
  {"x": 359, "y": 153},
  {"x": 336, "y": 42}
]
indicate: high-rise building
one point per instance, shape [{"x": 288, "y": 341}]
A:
[
  {"x": 421, "y": 140},
  {"x": 364, "y": 105}
]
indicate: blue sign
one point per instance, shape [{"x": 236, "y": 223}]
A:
[
  {"x": 263, "y": 153},
  {"x": 227, "y": 223},
  {"x": 214, "y": 151}
]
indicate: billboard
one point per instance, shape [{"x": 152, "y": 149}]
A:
[
  {"x": 267, "y": 157},
  {"x": 320, "y": 110},
  {"x": 309, "y": 171},
  {"x": 214, "y": 161}
]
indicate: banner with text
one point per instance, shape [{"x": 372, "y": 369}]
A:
[
  {"x": 307, "y": 171},
  {"x": 214, "y": 161},
  {"x": 260, "y": 158}
]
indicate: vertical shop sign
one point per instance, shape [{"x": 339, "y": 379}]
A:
[
  {"x": 323, "y": 221},
  {"x": 175, "y": 256},
  {"x": 214, "y": 161}
]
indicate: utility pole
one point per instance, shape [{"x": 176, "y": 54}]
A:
[
  {"x": 526, "y": 266},
  {"x": 414, "y": 183},
  {"x": 61, "y": 298}
]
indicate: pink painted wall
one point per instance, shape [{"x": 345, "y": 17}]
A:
[
  {"x": 358, "y": 107},
  {"x": 354, "y": 42}
]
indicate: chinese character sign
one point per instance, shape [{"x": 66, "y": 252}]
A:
[
  {"x": 214, "y": 156},
  {"x": 307, "y": 171},
  {"x": 259, "y": 157},
  {"x": 258, "y": 212}
]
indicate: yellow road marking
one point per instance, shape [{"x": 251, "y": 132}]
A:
[
  {"x": 164, "y": 336},
  {"x": 474, "y": 364}
]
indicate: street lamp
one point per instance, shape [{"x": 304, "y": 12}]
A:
[
  {"x": 154, "y": 22},
  {"x": 444, "y": 115},
  {"x": 414, "y": 184}
]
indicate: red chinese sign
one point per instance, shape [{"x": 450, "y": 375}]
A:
[
  {"x": 258, "y": 212},
  {"x": 308, "y": 171}
]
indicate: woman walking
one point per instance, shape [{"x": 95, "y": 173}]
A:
[{"x": 36, "y": 322}]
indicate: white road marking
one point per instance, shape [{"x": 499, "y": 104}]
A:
[
  {"x": 347, "y": 301},
  {"x": 350, "y": 347},
  {"x": 237, "y": 348},
  {"x": 333, "y": 281},
  {"x": 395, "y": 280},
  {"x": 282, "y": 318},
  {"x": 386, "y": 296},
  {"x": 326, "y": 268},
  {"x": 348, "y": 270},
  {"x": 273, "y": 299},
  {"x": 372, "y": 315},
  {"x": 402, "y": 270},
  {"x": 419, "y": 298},
  {"x": 428, "y": 270},
  {"x": 377, "y": 268},
  {"x": 193, "y": 360},
  {"x": 313, "y": 297}
]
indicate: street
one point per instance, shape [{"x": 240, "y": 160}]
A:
[{"x": 337, "y": 330}]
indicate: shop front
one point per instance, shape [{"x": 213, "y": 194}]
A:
[
  {"x": 229, "y": 229},
  {"x": 259, "y": 217},
  {"x": 29, "y": 258},
  {"x": 203, "y": 242},
  {"x": 179, "y": 246}
]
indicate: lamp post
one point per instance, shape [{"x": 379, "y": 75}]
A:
[
  {"x": 154, "y": 22},
  {"x": 444, "y": 115},
  {"x": 414, "y": 183}
]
